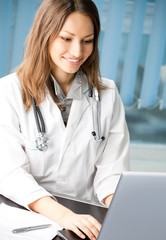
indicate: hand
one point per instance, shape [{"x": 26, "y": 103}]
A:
[
  {"x": 66, "y": 218},
  {"x": 86, "y": 223}
]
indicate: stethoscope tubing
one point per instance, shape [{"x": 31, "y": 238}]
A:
[
  {"x": 96, "y": 115},
  {"x": 42, "y": 140},
  {"x": 38, "y": 117}
]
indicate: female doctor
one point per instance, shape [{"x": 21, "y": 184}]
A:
[{"x": 62, "y": 126}]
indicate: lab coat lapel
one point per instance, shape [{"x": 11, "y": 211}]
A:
[{"x": 76, "y": 113}]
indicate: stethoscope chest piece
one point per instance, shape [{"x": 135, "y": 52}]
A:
[{"x": 42, "y": 142}]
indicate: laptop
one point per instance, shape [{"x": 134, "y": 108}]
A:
[{"x": 138, "y": 208}]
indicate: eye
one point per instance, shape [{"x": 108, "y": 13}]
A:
[
  {"x": 88, "y": 41},
  {"x": 66, "y": 39}
]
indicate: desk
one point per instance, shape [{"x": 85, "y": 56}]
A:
[{"x": 76, "y": 206}]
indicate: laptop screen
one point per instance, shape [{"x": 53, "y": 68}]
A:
[{"x": 138, "y": 208}]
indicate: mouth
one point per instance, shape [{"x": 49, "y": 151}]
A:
[{"x": 73, "y": 61}]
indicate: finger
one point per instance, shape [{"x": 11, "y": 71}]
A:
[
  {"x": 94, "y": 222},
  {"x": 77, "y": 232},
  {"x": 92, "y": 228},
  {"x": 85, "y": 229}
]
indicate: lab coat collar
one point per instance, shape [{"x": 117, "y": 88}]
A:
[{"x": 75, "y": 91}]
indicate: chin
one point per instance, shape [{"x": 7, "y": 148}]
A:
[{"x": 72, "y": 71}]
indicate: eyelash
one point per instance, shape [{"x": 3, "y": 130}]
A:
[
  {"x": 84, "y": 41},
  {"x": 88, "y": 41},
  {"x": 65, "y": 39}
]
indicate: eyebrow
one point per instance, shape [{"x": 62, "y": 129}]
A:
[{"x": 92, "y": 34}]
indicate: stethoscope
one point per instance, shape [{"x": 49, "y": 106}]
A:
[{"x": 42, "y": 141}]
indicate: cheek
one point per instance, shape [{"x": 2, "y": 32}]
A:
[
  {"x": 88, "y": 51},
  {"x": 57, "y": 49},
  {"x": 52, "y": 52}
]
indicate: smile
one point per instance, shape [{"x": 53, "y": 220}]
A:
[{"x": 71, "y": 60}]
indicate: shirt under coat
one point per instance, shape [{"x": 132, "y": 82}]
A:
[{"x": 74, "y": 163}]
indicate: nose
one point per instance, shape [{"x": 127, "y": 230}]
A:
[{"x": 76, "y": 49}]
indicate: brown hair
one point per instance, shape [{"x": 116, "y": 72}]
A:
[{"x": 34, "y": 72}]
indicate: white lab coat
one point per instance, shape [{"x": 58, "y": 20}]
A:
[{"x": 74, "y": 163}]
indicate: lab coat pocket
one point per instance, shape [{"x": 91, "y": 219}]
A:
[{"x": 36, "y": 159}]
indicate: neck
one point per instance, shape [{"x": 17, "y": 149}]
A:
[{"x": 64, "y": 80}]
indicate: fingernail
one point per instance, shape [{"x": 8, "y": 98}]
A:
[{"x": 82, "y": 236}]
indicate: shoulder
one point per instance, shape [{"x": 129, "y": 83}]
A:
[
  {"x": 110, "y": 92},
  {"x": 109, "y": 89},
  {"x": 10, "y": 89},
  {"x": 110, "y": 84},
  {"x": 10, "y": 83}
]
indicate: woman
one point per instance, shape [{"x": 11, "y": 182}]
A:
[{"x": 60, "y": 75}]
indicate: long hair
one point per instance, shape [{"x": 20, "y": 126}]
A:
[{"x": 34, "y": 71}]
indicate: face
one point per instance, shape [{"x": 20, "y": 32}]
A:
[{"x": 73, "y": 45}]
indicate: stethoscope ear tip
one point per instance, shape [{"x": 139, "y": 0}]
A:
[
  {"x": 93, "y": 134},
  {"x": 99, "y": 139}
]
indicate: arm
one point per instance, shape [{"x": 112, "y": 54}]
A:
[
  {"x": 66, "y": 218},
  {"x": 115, "y": 156},
  {"x": 14, "y": 176},
  {"x": 107, "y": 200}
]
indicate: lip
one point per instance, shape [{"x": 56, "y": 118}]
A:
[{"x": 73, "y": 61}]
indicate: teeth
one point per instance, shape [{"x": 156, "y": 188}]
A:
[{"x": 73, "y": 60}]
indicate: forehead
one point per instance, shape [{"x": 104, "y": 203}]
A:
[{"x": 78, "y": 23}]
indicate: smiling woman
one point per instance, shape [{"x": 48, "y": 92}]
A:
[
  {"x": 81, "y": 113},
  {"x": 71, "y": 48},
  {"x": 50, "y": 19}
]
